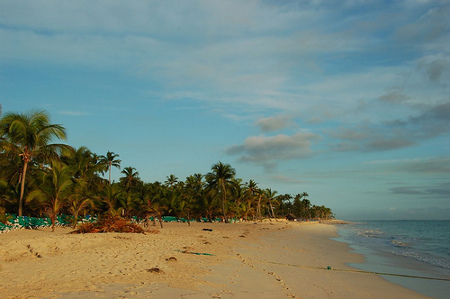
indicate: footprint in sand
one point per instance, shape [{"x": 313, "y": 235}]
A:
[
  {"x": 36, "y": 254},
  {"x": 278, "y": 279}
]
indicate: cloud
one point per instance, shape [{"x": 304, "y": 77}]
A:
[
  {"x": 436, "y": 68},
  {"x": 439, "y": 190},
  {"x": 431, "y": 25},
  {"x": 268, "y": 150},
  {"x": 274, "y": 123},
  {"x": 433, "y": 165},
  {"x": 407, "y": 190},
  {"x": 255, "y": 56},
  {"x": 394, "y": 96},
  {"x": 286, "y": 179},
  {"x": 430, "y": 122},
  {"x": 369, "y": 138}
]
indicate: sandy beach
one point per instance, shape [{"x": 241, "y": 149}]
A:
[{"x": 240, "y": 260}]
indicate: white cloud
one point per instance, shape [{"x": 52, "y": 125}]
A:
[{"x": 274, "y": 123}]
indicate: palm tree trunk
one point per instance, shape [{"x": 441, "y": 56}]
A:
[
  {"x": 22, "y": 186},
  {"x": 160, "y": 220},
  {"x": 110, "y": 173},
  {"x": 273, "y": 214},
  {"x": 224, "y": 198},
  {"x": 53, "y": 218},
  {"x": 259, "y": 208},
  {"x": 75, "y": 220}
]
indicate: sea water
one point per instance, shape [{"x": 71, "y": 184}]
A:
[{"x": 406, "y": 248}]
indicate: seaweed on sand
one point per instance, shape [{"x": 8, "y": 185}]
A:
[{"x": 109, "y": 224}]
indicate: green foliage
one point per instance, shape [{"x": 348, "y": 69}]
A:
[
  {"x": 28, "y": 136},
  {"x": 59, "y": 179}
]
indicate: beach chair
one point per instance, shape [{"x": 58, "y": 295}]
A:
[
  {"x": 4, "y": 228},
  {"x": 35, "y": 222},
  {"x": 22, "y": 222}
]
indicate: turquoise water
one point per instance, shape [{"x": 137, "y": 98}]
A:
[{"x": 410, "y": 248}]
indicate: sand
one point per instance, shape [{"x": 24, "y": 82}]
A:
[{"x": 240, "y": 260}]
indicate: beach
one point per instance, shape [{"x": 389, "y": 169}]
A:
[{"x": 269, "y": 259}]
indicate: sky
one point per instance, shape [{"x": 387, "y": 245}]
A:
[{"x": 346, "y": 100}]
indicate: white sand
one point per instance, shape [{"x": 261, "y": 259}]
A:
[{"x": 264, "y": 260}]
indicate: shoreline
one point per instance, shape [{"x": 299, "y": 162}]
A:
[
  {"x": 268, "y": 259},
  {"x": 413, "y": 274}
]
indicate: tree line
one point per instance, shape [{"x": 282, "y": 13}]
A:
[{"x": 42, "y": 178}]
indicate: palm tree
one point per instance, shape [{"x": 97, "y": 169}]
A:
[
  {"x": 10, "y": 176},
  {"x": 209, "y": 204},
  {"x": 130, "y": 178},
  {"x": 54, "y": 188},
  {"x": 270, "y": 195},
  {"x": 191, "y": 196},
  {"x": 82, "y": 197},
  {"x": 112, "y": 196},
  {"x": 252, "y": 190},
  {"x": 171, "y": 180},
  {"x": 285, "y": 204},
  {"x": 81, "y": 161},
  {"x": 29, "y": 136},
  {"x": 110, "y": 160},
  {"x": 220, "y": 179}
]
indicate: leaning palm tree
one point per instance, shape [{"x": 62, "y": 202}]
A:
[
  {"x": 221, "y": 178},
  {"x": 110, "y": 160},
  {"x": 270, "y": 195},
  {"x": 29, "y": 136}
]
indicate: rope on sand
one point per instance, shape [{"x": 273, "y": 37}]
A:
[
  {"x": 196, "y": 253},
  {"x": 359, "y": 271}
]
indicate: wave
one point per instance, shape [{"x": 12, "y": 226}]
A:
[
  {"x": 370, "y": 233},
  {"x": 398, "y": 243},
  {"x": 434, "y": 261}
]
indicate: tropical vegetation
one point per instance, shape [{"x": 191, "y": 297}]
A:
[{"x": 40, "y": 177}]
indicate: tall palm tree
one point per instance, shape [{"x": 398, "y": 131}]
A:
[
  {"x": 29, "y": 136},
  {"x": 110, "y": 160},
  {"x": 252, "y": 191},
  {"x": 221, "y": 178}
]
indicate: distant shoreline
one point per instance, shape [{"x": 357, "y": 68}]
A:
[{"x": 335, "y": 221}]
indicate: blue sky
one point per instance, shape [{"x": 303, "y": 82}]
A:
[{"x": 346, "y": 100}]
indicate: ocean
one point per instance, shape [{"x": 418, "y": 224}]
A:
[{"x": 403, "y": 249}]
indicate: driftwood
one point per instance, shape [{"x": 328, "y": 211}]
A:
[{"x": 109, "y": 224}]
